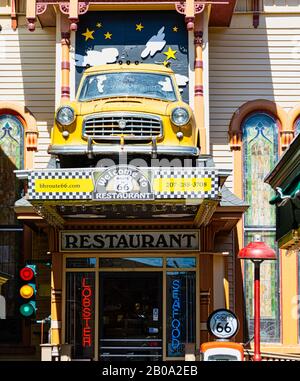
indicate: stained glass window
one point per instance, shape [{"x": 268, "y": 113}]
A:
[
  {"x": 260, "y": 151},
  {"x": 11, "y": 158},
  {"x": 297, "y": 127}
]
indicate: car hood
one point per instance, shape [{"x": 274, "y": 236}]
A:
[{"x": 146, "y": 105}]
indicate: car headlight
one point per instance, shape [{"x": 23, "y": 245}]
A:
[
  {"x": 180, "y": 116},
  {"x": 65, "y": 115}
]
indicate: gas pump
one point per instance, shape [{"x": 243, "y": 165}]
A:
[{"x": 223, "y": 324}]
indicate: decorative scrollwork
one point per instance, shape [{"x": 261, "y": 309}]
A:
[
  {"x": 286, "y": 138},
  {"x": 235, "y": 140},
  {"x": 198, "y": 7},
  {"x": 180, "y": 7},
  {"x": 83, "y": 7},
  {"x": 64, "y": 8},
  {"x": 41, "y": 8}
]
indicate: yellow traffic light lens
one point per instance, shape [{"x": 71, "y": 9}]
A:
[{"x": 26, "y": 291}]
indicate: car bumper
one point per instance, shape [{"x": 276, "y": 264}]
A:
[{"x": 110, "y": 149}]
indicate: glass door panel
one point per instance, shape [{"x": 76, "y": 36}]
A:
[{"x": 130, "y": 316}]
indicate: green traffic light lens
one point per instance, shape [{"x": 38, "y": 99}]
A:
[{"x": 26, "y": 309}]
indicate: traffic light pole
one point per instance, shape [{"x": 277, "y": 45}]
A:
[{"x": 257, "y": 353}]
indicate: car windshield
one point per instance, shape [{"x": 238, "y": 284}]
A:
[{"x": 130, "y": 84}]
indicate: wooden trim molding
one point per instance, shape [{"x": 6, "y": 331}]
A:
[
  {"x": 235, "y": 132},
  {"x": 30, "y": 128}
]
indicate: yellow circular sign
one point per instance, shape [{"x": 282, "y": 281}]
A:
[{"x": 26, "y": 291}]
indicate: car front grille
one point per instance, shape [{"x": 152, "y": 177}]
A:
[{"x": 130, "y": 126}]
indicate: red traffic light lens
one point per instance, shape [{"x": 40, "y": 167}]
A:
[{"x": 26, "y": 273}]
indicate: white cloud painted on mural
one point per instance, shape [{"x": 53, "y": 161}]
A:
[
  {"x": 94, "y": 57},
  {"x": 181, "y": 80},
  {"x": 155, "y": 44},
  {"x": 166, "y": 85}
]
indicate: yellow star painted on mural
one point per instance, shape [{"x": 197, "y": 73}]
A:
[
  {"x": 88, "y": 34},
  {"x": 170, "y": 53},
  {"x": 107, "y": 36},
  {"x": 139, "y": 27},
  {"x": 99, "y": 25},
  {"x": 175, "y": 29}
]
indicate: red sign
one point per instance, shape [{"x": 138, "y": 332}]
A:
[{"x": 86, "y": 313}]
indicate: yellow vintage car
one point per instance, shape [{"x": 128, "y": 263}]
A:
[{"x": 126, "y": 108}]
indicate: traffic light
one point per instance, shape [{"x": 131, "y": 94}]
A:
[{"x": 27, "y": 291}]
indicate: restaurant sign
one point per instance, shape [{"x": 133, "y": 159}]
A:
[
  {"x": 123, "y": 183},
  {"x": 182, "y": 240}
]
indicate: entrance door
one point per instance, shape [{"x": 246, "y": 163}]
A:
[{"x": 130, "y": 316}]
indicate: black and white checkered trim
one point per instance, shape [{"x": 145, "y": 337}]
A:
[
  {"x": 56, "y": 175},
  {"x": 188, "y": 173},
  {"x": 157, "y": 173}
]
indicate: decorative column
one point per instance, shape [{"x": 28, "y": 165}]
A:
[
  {"x": 190, "y": 14},
  {"x": 13, "y": 15},
  {"x": 65, "y": 59},
  {"x": 199, "y": 100},
  {"x": 73, "y": 15},
  {"x": 255, "y": 9},
  {"x": 56, "y": 289},
  {"x": 286, "y": 137},
  {"x": 31, "y": 14},
  {"x": 194, "y": 22}
]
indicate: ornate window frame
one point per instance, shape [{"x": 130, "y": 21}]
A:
[
  {"x": 263, "y": 105},
  {"x": 30, "y": 129},
  {"x": 294, "y": 118},
  {"x": 285, "y": 134}
]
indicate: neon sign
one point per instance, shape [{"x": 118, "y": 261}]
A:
[
  {"x": 176, "y": 313},
  {"x": 86, "y": 313}
]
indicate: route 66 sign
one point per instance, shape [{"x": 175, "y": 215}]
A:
[
  {"x": 223, "y": 324},
  {"x": 123, "y": 184}
]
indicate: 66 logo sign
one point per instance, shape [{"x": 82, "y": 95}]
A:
[{"x": 223, "y": 324}]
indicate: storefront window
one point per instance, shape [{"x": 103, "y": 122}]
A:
[
  {"x": 136, "y": 298},
  {"x": 184, "y": 263},
  {"x": 11, "y": 158},
  {"x": 181, "y": 311},
  {"x": 80, "y": 313},
  {"x": 81, "y": 263},
  {"x": 260, "y": 150},
  {"x": 131, "y": 262}
]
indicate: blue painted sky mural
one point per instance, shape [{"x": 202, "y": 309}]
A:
[{"x": 149, "y": 37}]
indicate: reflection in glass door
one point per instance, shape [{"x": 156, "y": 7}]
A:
[{"x": 130, "y": 316}]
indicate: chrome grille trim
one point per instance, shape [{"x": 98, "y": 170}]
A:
[{"x": 139, "y": 126}]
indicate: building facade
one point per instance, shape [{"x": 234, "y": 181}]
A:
[{"x": 123, "y": 266}]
